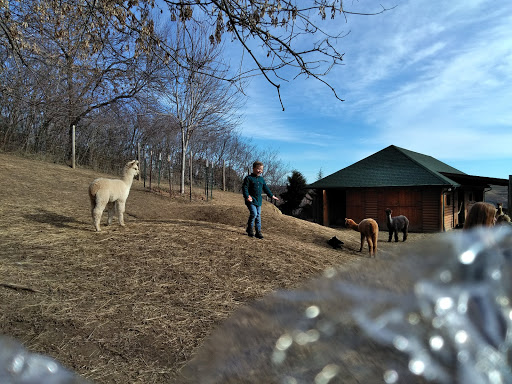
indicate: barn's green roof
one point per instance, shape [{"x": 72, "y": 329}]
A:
[{"x": 391, "y": 167}]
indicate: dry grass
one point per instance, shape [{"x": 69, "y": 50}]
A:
[{"x": 134, "y": 304}]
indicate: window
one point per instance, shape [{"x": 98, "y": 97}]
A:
[{"x": 448, "y": 200}]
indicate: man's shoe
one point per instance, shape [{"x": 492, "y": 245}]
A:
[
  {"x": 250, "y": 232},
  {"x": 259, "y": 235}
]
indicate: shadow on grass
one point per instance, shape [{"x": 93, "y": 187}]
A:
[{"x": 46, "y": 217}]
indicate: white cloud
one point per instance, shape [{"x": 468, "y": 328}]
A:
[
  {"x": 427, "y": 52},
  {"x": 459, "y": 92}
]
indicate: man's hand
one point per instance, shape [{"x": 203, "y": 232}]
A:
[{"x": 249, "y": 199}]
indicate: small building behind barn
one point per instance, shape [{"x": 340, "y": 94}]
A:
[{"x": 433, "y": 195}]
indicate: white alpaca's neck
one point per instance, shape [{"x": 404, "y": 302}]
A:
[{"x": 128, "y": 178}]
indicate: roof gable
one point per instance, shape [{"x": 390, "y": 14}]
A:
[{"x": 391, "y": 167}]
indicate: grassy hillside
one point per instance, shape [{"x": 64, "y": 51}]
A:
[{"x": 134, "y": 304}]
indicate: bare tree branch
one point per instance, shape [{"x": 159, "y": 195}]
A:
[{"x": 273, "y": 25}]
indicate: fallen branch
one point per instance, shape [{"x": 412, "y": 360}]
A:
[{"x": 19, "y": 288}]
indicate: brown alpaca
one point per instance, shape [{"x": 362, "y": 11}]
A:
[{"x": 369, "y": 229}]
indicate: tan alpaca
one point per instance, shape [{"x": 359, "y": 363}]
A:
[
  {"x": 112, "y": 193},
  {"x": 499, "y": 211},
  {"x": 369, "y": 229}
]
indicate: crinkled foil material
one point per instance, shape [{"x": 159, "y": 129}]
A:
[{"x": 448, "y": 320}]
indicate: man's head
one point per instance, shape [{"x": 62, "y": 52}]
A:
[{"x": 257, "y": 168}]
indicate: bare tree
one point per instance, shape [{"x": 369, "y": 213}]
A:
[
  {"x": 89, "y": 64},
  {"x": 194, "y": 95},
  {"x": 238, "y": 154},
  {"x": 79, "y": 60},
  {"x": 275, "y": 170},
  {"x": 270, "y": 31}
]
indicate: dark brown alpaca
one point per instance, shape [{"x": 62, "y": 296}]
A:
[{"x": 395, "y": 224}]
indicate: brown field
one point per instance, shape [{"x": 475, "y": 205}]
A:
[{"x": 135, "y": 304}]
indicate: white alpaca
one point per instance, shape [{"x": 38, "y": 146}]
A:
[{"x": 112, "y": 192}]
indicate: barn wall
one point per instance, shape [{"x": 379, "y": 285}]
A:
[
  {"x": 431, "y": 204},
  {"x": 422, "y": 206},
  {"x": 450, "y": 199}
]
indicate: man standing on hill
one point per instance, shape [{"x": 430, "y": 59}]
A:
[{"x": 252, "y": 187}]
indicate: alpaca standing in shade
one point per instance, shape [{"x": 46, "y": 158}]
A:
[
  {"x": 395, "y": 224},
  {"x": 112, "y": 193},
  {"x": 369, "y": 229},
  {"x": 501, "y": 218},
  {"x": 499, "y": 211}
]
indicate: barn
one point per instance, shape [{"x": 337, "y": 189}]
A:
[{"x": 433, "y": 195}]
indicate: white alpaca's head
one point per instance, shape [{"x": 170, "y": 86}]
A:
[{"x": 132, "y": 167}]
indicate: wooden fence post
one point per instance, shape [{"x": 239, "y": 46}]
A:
[
  {"x": 145, "y": 166},
  {"x": 73, "y": 150},
  {"x": 138, "y": 157},
  {"x": 224, "y": 175},
  {"x": 150, "y": 168},
  {"x": 159, "y": 167},
  {"x": 190, "y": 174},
  {"x": 170, "y": 179},
  {"x": 206, "y": 180},
  {"x": 211, "y": 186}
]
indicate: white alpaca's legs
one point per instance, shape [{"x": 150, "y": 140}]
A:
[
  {"x": 111, "y": 211},
  {"x": 120, "y": 211},
  {"x": 97, "y": 211}
]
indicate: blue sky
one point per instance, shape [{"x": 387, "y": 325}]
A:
[{"x": 431, "y": 76}]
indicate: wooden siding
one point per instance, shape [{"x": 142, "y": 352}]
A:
[
  {"x": 431, "y": 202},
  {"x": 422, "y": 206},
  {"x": 429, "y": 209},
  {"x": 451, "y": 210},
  {"x": 371, "y": 206},
  {"x": 355, "y": 207}
]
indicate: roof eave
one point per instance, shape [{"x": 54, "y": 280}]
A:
[{"x": 447, "y": 185}]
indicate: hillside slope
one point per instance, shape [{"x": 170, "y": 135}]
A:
[{"x": 133, "y": 304}]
